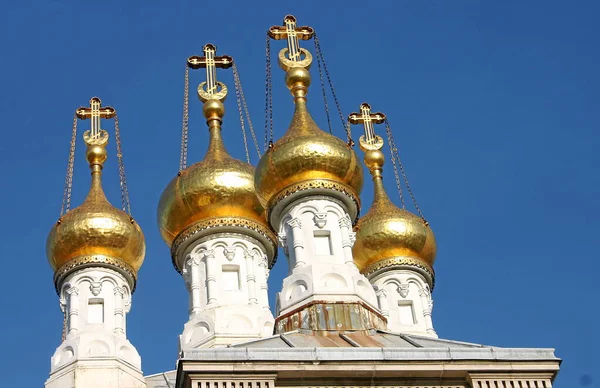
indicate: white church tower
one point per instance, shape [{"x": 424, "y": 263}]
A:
[
  {"x": 394, "y": 248},
  {"x": 309, "y": 182},
  {"x": 96, "y": 251},
  {"x": 220, "y": 242}
]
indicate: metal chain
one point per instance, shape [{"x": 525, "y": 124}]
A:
[
  {"x": 238, "y": 82},
  {"x": 349, "y": 134},
  {"x": 126, "y": 205},
  {"x": 184, "y": 125},
  {"x": 268, "y": 97},
  {"x": 66, "y": 202},
  {"x": 392, "y": 146},
  {"x": 396, "y": 158},
  {"x": 335, "y": 99},
  {"x": 239, "y": 106},
  {"x": 323, "y": 91}
]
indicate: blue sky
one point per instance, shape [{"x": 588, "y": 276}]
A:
[{"x": 494, "y": 106}]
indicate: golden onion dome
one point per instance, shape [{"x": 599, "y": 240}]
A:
[
  {"x": 307, "y": 158},
  {"x": 387, "y": 236},
  {"x": 96, "y": 233},
  {"x": 217, "y": 192}
]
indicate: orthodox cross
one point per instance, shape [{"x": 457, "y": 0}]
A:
[
  {"x": 95, "y": 112},
  {"x": 370, "y": 140},
  {"x": 210, "y": 62},
  {"x": 293, "y": 34}
]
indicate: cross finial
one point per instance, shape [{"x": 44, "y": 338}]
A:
[
  {"x": 211, "y": 89},
  {"x": 95, "y": 112},
  {"x": 293, "y": 56},
  {"x": 368, "y": 141}
]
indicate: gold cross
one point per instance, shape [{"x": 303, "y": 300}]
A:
[
  {"x": 369, "y": 141},
  {"x": 211, "y": 62},
  {"x": 292, "y": 33},
  {"x": 95, "y": 112}
]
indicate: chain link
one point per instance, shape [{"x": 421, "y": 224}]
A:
[
  {"x": 335, "y": 99},
  {"x": 184, "y": 125},
  {"x": 239, "y": 106},
  {"x": 268, "y": 96},
  {"x": 126, "y": 205},
  {"x": 66, "y": 202},
  {"x": 392, "y": 146},
  {"x": 396, "y": 160},
  {"x": 323, "y": 91},
  {"x": 238, "y": 83}
]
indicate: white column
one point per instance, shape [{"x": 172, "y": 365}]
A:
[
  {"x": 73, "y": 310},
  {"x": 264, "y": 288},
  {"x": 427, "y": 309},
  {"x": 211, "y": 279},
  {"x": 297, "y": 241},
  {"x": 347, "y": 239},
  {"x": 383, "y": 302},
  {"x": 195, "y": 284},
  {"x": 250, "y": 277},
  {"x": 119, "y": 313}
]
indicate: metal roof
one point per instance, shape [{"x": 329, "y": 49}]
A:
[
  {"x": 376, "y": 346},
  {"x": 375, "y": 339}
]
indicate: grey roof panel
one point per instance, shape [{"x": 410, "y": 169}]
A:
[
  {"x": 161, "y": 380},
  {"x": 299, "y": 340},
  {"x": 429, "y": 342},
  {"x": 375, "y": 339}
]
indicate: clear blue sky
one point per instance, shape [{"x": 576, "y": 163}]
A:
[{"x": 495, "y": 108}]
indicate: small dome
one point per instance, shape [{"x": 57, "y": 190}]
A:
[
  {"x": 307, "y": 158},
  {"x": 218, "y": 191},
  {"x": 387, "y": 235},
  {"x": 96, "y": 232}
]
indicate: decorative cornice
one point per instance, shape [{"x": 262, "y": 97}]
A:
[
  {"x": 315, "y": 184},
  {"x": 223, "y": 222},
  {"x": 401, "y": 261},
  {"x": 97, "y": 261}
]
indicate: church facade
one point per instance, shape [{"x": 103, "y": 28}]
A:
[{"x": 355, "y": 309}]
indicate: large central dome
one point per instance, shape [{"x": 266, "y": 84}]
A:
[
  {"x": 215, "y": 192},
  {"x": 218, "y": 186},
  {"x": 307, "y": 158}
]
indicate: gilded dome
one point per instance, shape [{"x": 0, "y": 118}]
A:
[
  {"x": 96, "y": 232},
  {"x": 307, "y": 157},
  {"x": 217, "y": 191},
  {"x": 387, "y": 235}
]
